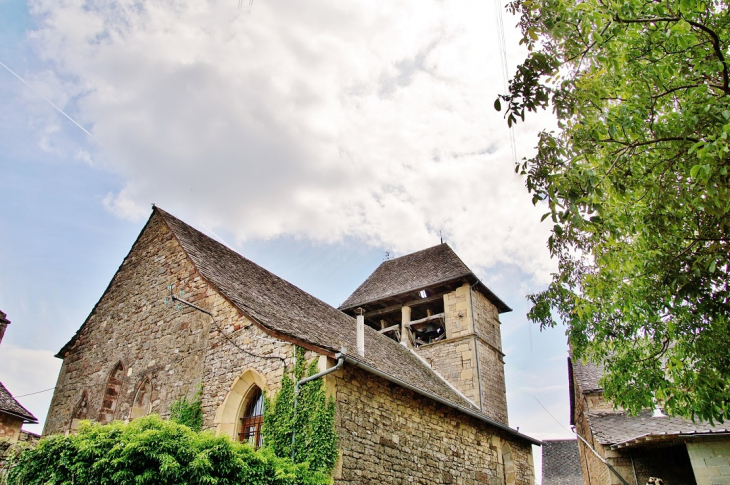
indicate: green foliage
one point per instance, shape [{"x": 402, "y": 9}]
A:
[
  {"x": 188, "y": 413},
  {"x": 152, "y": 451},
  {"x": 636, "y": 184},
  {"x": 313, "y": 424}
]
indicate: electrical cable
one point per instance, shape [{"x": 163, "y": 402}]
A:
[{"x": 230, "y": 340}]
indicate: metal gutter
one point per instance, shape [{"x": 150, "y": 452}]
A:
[
  {"x": 600, "y": 458},
  {"x": 441, "y": 400}
]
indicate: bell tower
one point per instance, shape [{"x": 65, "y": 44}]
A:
[{"x": 433, "y": 304}]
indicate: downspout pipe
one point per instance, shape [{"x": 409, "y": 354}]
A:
[
  {"x": 600, "y": 457},
  {"x": 439, "y": 399},
  {"x": 340, "y": 362}
]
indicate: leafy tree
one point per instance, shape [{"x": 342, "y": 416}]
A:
[
  {"x": 152, "y": 451},
  {"x": 636, "y": 183}
]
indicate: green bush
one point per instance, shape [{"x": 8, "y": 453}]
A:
[{"x": 152, "y": 451}]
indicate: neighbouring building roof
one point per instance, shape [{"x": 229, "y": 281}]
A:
[
  {"x": 9, "y": 405},
  {"x": 288, "y": 311},
  {"x": 620, "y": 429},
  {"x": 4, "y": 318},
  {"x": 587, "y": 375},
  {"x": 415, "y": 271},
  {"x": 561, "y": 463}
]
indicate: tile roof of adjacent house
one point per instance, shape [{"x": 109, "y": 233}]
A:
[
  {"x": 587, "y": 375},
  {"x": 9, "y": 405},
  {"x": 288, "y": 311},
  {"x": 4, "y": 317},
  {"x": 561, "y": 463},
  {"x": 620, "y": 429},
  {"x": 415, "y": 271}
]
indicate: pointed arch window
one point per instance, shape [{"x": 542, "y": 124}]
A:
[
  {"x": 142, "y": 404},
  {"x": 81, "y": 412},
  {"x": 253, "y": 418},
  {"x": 508, "y": 464},
  {"x": 111, "y": 394}
]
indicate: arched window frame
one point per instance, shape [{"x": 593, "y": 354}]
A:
[
  {"x": 508, "y": 465},
  {"x": 252, "y": 417},
  {"x": 139, "y": 406},
  {"x": 112, "y": 392},
  {"x": 80, "y": 412},
  {"x": 228, "y": 417}
]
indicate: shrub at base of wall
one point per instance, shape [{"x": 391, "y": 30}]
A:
[{"x": 150, "y": 450}]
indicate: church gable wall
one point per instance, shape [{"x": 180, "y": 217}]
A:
[
  {"x": 134, "y": 327},
  {"x": 388, "y": 431}
]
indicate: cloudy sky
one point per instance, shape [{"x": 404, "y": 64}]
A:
[{"x": 310, "y": 135}]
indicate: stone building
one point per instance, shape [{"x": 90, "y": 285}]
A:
[
  {"x": 184, "y": 311},
  {"x": 12, "y": 414},
  {"x": 619, "y": 449},
  {"x": 12, "y": 417}
]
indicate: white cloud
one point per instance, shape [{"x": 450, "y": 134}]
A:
[{"x": 318, "y": 118}]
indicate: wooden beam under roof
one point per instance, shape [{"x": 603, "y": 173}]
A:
[{"x": 396, "y": 307}]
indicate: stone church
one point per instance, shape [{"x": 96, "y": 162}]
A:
[{"x": 415, "y": 353}]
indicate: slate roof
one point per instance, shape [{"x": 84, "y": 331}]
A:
[
  {"x": 3, "y": 318},
  {"x": 587, "y": 375},
  {"x": 412, "y": 272},
  {"x": 561, "y": 463},
  {"x": 284, "y": 308},
  {"x": 620, "y": 428},
  {"x": 9, "y": 405}
]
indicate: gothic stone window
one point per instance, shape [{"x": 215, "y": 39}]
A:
[
  {"x": 111, "y": 394},
  {"x": 80, "y": 413},
  {"x": 253, "y": 418},
  {"x": 142, "y": 400}
]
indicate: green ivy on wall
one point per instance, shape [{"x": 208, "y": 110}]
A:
[
  {"x": 188, "y": 413},
  {"x": 313, "y": 424}
]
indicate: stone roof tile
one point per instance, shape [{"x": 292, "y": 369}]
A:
[
  {"x": 620, "y": 427},
  {"x": 413, "y": 272},
  {"x": 9, "y": 405},
  {"x": 409, "y": 273},
  {"x": 587, "y": 375},
  {"x": 561, "y": 463}
]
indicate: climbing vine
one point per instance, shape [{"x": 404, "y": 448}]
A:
[
  {"x": 313, "y": 424},
  {"x": 188, "y": 413}
]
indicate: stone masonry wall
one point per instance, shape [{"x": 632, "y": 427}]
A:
[
  {"x": 594, "y": 471},
  {"x": 487, "y": 321},
  {"x": 491, "y": 358},
  {"x": 454, "y": 359},
  {"x": 224, "y": 362},
  {"x": 494, "y": 392},
  {"x": 10, "y": 427},
  {"x": 389, "y": 432},
  {"x": 710, "y": 462},
  {"x": 457, "y": 310},
  {"x": 133, "y": 325}
]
